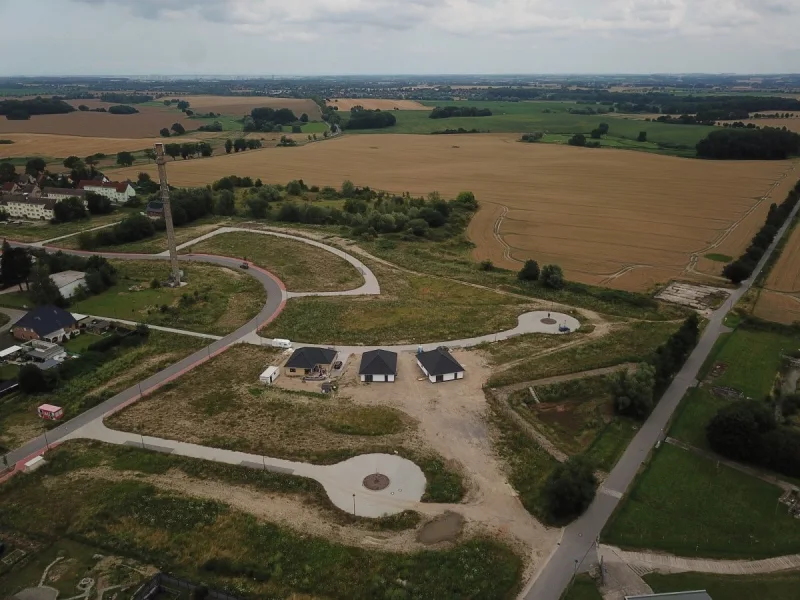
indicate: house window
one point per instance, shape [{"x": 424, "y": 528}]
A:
[
  {"x": 292, "y": 370},
  {"x": 440, "y": 378}
]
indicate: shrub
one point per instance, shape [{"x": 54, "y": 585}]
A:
[
  {"x": 529, "y": 271},
  {"x": 552, "y": 276},
  {"x": 487, "y": 265},
  {"x": 569, "y": 490},
  {"x": 736, "y": 431},
  {"x": 633, "y": 391}
]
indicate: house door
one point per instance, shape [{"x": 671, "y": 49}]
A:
[
  {"x": 368, "y": 378},
  {"x": 440, "y": 378}
]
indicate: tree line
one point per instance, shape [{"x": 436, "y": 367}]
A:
[
  {"x": 122, "y": 109},
  {"x": 445, "y": 112},
  {"x": 768, "y": 143},
  {"x": 122, "y": 98},
  {"x": 22, "y": 110},
  {"x": 361, "y": 118},
  {"x": 268, "y": 119},
  {"x": 741, "y": 269}
]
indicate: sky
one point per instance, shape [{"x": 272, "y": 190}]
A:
[{"x": 347, "y": 37}]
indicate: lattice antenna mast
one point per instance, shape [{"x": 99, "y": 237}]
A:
[{"x": 161, "y": 161}]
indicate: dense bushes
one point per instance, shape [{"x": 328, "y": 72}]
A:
[
  {"x": 122, "y": 109},
  {"x": 569, "y": 490},
  {"x": 531, "y": 137},
  {"x": 672, "y": 354},
  {"x": 453, "y": 131},
  {"x": 769, "y": 143},
  {"x": 743, "y": 267},
  {"x": 24, "y": 109},
  {"x": 747, "y": 431},
  {"x": 268, "y": 119},
  {"x": 444, "y": 112},
  {"x": 130, "y": 229},
  {"x": 361, "y": 118}
]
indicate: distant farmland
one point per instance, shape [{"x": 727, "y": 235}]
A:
[
  {"x": 241, "y": 105},
  {"x": 617, "y": 218}
]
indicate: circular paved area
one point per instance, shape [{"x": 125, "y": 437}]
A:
[{"x": 345, "y": 484}]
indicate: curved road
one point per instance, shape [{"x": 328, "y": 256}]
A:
[
  {"x": 276, "y": 299},
  {"x": 578, "y": 547}
]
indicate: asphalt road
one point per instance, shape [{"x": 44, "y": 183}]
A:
[
  {"x": 577, "y": 549},
  {"x": 275, "y": 299}
]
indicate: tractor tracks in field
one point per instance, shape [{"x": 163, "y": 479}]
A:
[{"x": 499, "y": 237}]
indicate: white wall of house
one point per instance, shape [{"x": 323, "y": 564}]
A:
[
  {"x": 111, "y": 193},
  {"x": 379, "y": 378},
  {"x": 28, "y": 210},
  {"x": 57, "y": 196},
  {"x": 445, "y": 377}
]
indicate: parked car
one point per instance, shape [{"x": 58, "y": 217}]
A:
[
  {"x": 337, "y": 365},
  {"x": 244, "y": 266}
]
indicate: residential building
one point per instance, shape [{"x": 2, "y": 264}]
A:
[
  {"x": 439, "y": 365},
  {"x": 155, "y": 209},
  {"x": 67, "y": 282},
  {"x": 117, "y": 192},
  {"x": 48, "y": 323},
  {"x": 378, "y": 365},
  {"x": 28, "y": 207},
  {"x": 64, "y": 193},
  {"x": 309, "y": 361}
]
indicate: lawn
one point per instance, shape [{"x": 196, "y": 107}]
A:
[
  {"x": 691, "y": 506},
  {"x": 753, "y": 359},
  {"x": 80, "y": 344},
  {"x": 523, "y": 346},
  {"x": 157, "y": 243},
  {"x": 411, "y": 309},
  {"x": 8, "y": 371},
  {"x": 628, "y": 343},
  {"x": 774, "y": 586},
  {"x": 208, "y": 540},
  {"x": 18, "y": 419},
  {"x": 582, "y": 587},
  {"x": 697, "y": 408},
  {"x": 216, "y": 300},
  {"x": 723, "y": 258},
  {"x": 221, "y": 404},
  {"x": 302, "y": 267},
  {"x": 19, "y": 300},
  {"x": 46, "y": 231},
  {"x": 522, "y": 117},
  {"x": 611, "y": 442}
]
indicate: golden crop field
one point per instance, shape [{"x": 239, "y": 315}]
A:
[
  {"x": 612, "y": 217},
  {"x": 780, "y": 299},
  {"x": 241, "y": 105},
  {"x": 40, "y": 144},
  {"x": 377, "y": 103}
]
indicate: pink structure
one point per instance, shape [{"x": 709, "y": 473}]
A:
[{"x": 50, "y": 412}]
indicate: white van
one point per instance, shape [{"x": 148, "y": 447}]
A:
[{"x": 278, "y": 343}]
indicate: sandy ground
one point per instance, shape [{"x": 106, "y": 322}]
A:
[
  {"x": 452, "y": 421},
  {"x": 345, "y": 104},
  {"x": 623, "y": 219}
]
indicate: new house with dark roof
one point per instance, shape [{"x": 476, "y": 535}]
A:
[
  {"x": 439, "y": 365},
  {"x": 308, "y": 361},
  {"x": 378, "y": 365},
  {"x": 48, "y": 323}
]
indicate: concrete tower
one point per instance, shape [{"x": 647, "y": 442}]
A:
[{"x": 161, "y": 161}]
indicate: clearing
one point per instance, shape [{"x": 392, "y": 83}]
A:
[
  {"x": 410, "y": 309},
  {"x": 739, "y": 516},
  {"x": 534, "y": 205},
  {"x": 214, "y": 541},
  {"x": 216, "y": 300},
  {"x": 301, "y": 267}
]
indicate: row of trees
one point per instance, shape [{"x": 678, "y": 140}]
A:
[
  {"x": 20, "y": 110},
  {"x": 361, "y": 118},
  {"x": 187, "y": 150},
  {"x": 122, "y": 109},
  {"x": 241, "y": 144},
  {"x": 550, "y": 275},
  {"x": 445, "y": 112},
  {"x": 176, "y": 129},
  {"x": 123, "y": 98},
  {"x": 267, "y": 119},
  {"x": 740, "y": 269},
  {"x": 768, "y": 143}
]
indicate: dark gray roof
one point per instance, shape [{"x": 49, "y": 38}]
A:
[
  {"x": 64, "y": 192},
  {"x": 155, "y": 205},
  {"x": 378, "y": 362},
  {"x": 45, "y": 320},
  {"x": 308, "y": 358},
  {"x": 439, "y": 362},
  {"x": 48, "y": 203},
  {"x": 695, "y": 595}
]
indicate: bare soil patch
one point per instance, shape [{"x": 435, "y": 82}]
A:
[
  {"x": 623, "y": 219},
  {"x": 345, "y": 104},
  {"x": 445, "y": 528}
]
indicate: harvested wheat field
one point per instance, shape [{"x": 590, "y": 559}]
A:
[
  {"x": 780, "y": 299},
  {"x": 377, "y": 103},
  {"x": 145, "y": 124},
  {"x": 41, "y": 144},
  {"x": 778, "y": 307},
  {"x": 792, "y": 124},
  {"x": 623, "y": 219},
  {"x": 240, "y": 105}
]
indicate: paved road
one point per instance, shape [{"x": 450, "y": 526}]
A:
[
  {"x": 276, "y": 298},
  {"x": 577, "y": 548}
]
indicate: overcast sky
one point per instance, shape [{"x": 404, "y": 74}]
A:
[{"x": 310, "y": 37}]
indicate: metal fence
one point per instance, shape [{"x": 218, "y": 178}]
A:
[{"x": 162, "y": 581}]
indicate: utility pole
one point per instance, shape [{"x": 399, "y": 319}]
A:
[{"x": 161, "y": 161}]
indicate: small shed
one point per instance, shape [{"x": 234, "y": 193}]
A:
[
  {"x": 10, "y": 353},
  {"x": 439, "y": 365},
  {"x": 49, "y": 412},
  {"x": 270, "y": 375}
]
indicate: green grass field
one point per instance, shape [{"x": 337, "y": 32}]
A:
[
  {"x": 47, "y": 231},
  {"x": 219, "y": 299},
  {"x": 582, "y": 587},
  {"x": 775, "y": 586},
  {"x": 522, "y": 117},
  {"x": 410, "y": 309},
  {"x": 696, "y": 409},
  {"x": 181, "y": 534},
  {"x": 79, "y": 344},
  {"x": 690, "y": 506},
  {"x": 723, "y": 258}
]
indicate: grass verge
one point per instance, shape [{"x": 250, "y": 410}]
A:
[{"x": 737, "y": 517}]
